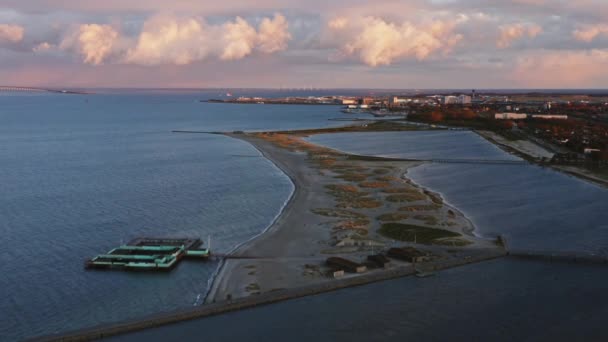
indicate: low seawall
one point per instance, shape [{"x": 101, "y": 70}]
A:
[
  {"x": 207, "y": 310},
  {"x": 580, "y": 258}
]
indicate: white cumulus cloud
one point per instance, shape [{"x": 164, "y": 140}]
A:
[
  {"x": 170, "y": 40},
  {"x": 95, "y": 43},
  {"x": 273, "y": 34},
  {"x": 181, "y": 41},
  {"x": 376, "y": 41},
  {"x": 238, "y": 39}
]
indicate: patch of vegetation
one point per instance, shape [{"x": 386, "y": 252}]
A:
[
  {"x": 342, "y": 188},
  {"x": 415, "y": 208},
  {"x": 252, "y": 287},
  {"x": 434, "y": 197},
  {"x": 406, "y": 197},
  {"x": 352, "y": 224},
  {"x": 417, "y": 234},
  {"x": 381, "y": 171},
  {"x": 370, "y": 158},
  {"x": 387, "y": 179},
  {"x": 428, "y": 219},
  {"x": 374, "y": 185},
  {"x": 452, "y": 242},
  {"x": 327, "y": 163},
  {"x": 353, "y": 177},
  {"x": 392, "y": 217},
  {"x": 360, "y": 203},
  {"x": 341, "y": 168},
  {"x": 338, "y": 213},
  {"x": 399, "y": 190},
  {"x": 346, "y": 193}
]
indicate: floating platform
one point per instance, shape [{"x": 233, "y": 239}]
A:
[{"x": 150, "y": 254}]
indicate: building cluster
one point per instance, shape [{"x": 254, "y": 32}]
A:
[
  {"x": 523, "y": 116},
  {"x": 456, "y": 100}
]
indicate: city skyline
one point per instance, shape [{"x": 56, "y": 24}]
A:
[{"x": 287, "y": 44}]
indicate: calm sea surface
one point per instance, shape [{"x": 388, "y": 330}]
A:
[
  {"x": 80, "y": 175},
  {"x": 502, "y": 300}
]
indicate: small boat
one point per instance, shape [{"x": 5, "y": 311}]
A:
[{"x": 424, "y": 274}]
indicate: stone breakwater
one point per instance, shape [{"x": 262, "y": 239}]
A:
[{"x": 217, "y": 308}]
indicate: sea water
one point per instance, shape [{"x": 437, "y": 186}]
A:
[
  {"x": 537, "y": 209},
  {"x": 82, "y": 174}
]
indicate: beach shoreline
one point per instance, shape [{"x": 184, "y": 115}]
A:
[
  {"x": 280, "y": 263},
  {"x": 285, "y": 254}
]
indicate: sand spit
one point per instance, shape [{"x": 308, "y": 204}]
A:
[{"x": 338, "y": 207}]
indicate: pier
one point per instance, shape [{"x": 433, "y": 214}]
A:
[
  {"x": 150, "y": 254},
  {"x": 568, "y": 257},
  {"x": 213, "y": 309}
]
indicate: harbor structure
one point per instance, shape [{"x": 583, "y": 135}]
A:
[{"x": 150, "y": 254}]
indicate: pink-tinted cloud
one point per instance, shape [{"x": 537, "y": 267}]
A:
[
  {"x": 170, "y": 40},
  {"x": 377, "y": 42},
  {"x": 589, "y": 32},
  {"x": 273, "y": 34},
  {"x": 567, "y": 69},
  {"x": 181, "y": 41},
  {"x": 95, "y": 43},
  {"x": 11, "y": 33},
  {"x": 513, "y": 32}
]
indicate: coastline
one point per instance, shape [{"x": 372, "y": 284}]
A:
[
  {"x": 235, "y": 274},
  {"x": 221, "y": 270},
  {"x": 533, "y": 152},
  {"x": 285, "y": 254}
]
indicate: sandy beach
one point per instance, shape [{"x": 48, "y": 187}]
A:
[{"x": 336, "y": 199}]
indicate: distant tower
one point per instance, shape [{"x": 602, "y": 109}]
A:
[{"x": 473, "y": 94}]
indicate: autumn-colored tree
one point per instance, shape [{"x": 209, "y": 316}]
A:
[
  {"x": 468, "y": 114},
  {"x": 437, "y": 116},
  {"x": 507, "y": 124}
]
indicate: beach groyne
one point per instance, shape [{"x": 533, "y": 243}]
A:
[
  {"x": 208, "y": 310},
  {"x": 568, "y": 257}
]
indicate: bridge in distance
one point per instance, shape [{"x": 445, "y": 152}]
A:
[{"x": 15, "y": 89}]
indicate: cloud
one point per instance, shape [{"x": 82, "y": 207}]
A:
[
  {"x": 11, "y": 33},
  {"x": 513, "y": 32},
  {"x": 377, "y": 42},
  {"x": 590, "y": 32},
  {"x": 42, "y": 47},
  {"x": 273, "y": 34},
  {"x": 239, "y": 39},
  {"x": 181, "y": 41},
  {"x": 95, "y": 43},
  {"x": 570, "y": 68},
  {"x": 170, "y": 40}
]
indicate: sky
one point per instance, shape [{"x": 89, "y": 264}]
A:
[{"x": 404, "y": 44}]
